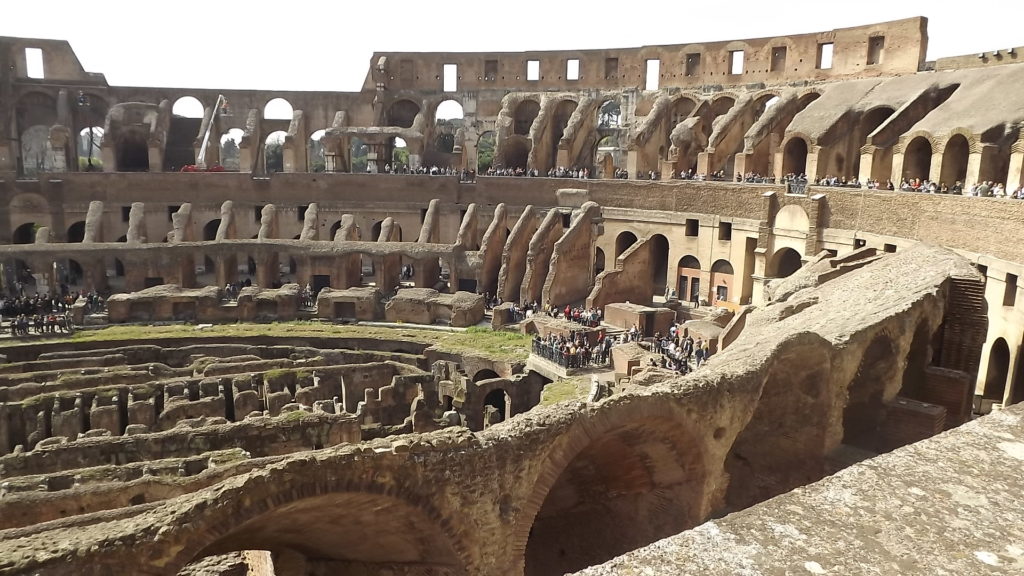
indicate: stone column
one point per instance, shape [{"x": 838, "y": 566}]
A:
[{"x": 867, "y": 162}]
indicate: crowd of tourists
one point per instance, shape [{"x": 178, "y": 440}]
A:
[
  {"x": 42, "y": 313},
  {"x": 681, "y": 354},
  {"x": 434, "y": 170},
  {"x": 574, "y": 350}
]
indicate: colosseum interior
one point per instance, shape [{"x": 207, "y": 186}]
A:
[{"x": 299, "y": 349}]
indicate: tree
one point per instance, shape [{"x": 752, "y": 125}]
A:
[
  {"x": 485, "y": 152},
  {"x": 229, "y": 154},
  {"x": 274, "y": 153}
]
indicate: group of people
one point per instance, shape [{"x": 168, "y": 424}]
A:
[
  {"x": 464, "y": 174},
  {"x": 232, "y": 289},
  {"x": 517, "y": 171},
  {"x": 678, "y": 351},
  {"x": 574, "y": 350},
  {"x": 577, "y": 173},
  {"x": 41, "y": 324}
]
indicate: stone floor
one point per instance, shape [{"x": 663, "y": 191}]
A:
[{"x": 950, "y": 505}]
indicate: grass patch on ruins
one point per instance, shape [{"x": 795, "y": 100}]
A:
[
  {"x": 496, "y": 345},
  {"x": 575, "y": 388}
]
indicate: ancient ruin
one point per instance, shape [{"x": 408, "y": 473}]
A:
[{"x": 800, "y": 205}]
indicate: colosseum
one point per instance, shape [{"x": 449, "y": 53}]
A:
[{"x": 739, "y": 307}]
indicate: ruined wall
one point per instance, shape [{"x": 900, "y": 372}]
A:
[{"x": 572, "y": 266}]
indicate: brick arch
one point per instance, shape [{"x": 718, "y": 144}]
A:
[
  {"x": 253, "y": 515},
  {"x": 973, "y": 141},
  {"x": 901, "y": 145},
  {"x": 660, "y": 429}
]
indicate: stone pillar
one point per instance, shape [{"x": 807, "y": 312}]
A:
[
  {"x": 268, "y": 269},
  {"x": 227, "y": 269},
  {"x": 704, "y": 163},
  {"x": 1015, "y": 176},
  {"x": 811, "y": 165},
  {"x": 935, "y": 170},
  {"x": 897, "y": 168},
  {"x": 632, "y": 162},
  {"x": 973, "y": 169},
  {"x": 867, "y": 162}
]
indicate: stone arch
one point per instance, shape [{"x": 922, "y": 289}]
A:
[
  {"x": 278, "y": 109},
  {"x": 35, "y": 107},
  {"x": 485, "y": 374},
  {"x": 500, "y": 401},
  {"x": 784, "y": 263},
  {"x": 599, "y": 261},
  {"x": 682, "y": 106},
  {"x": 917, "y": 158},
  {"x": 688, "y": 273},
  {"x": 794, "y": 156},
  {"x": 998, "y": 370},
  {"x": 793, "y": 217},
  {"x": 315, "y": 151},
  {"x": 722, "y": 278},
  {"x": 659, "y": 262},
  {"x": 614, "y": 481},
  {"x": 784, "y": 443},
  {"x": 954, "y": 160},
  {"x": 516, "y": 152},
  {"x": 188, "y": 107},
  {"x": 524, "y": 115},
  {"x": 132, "y": 151},
  {"x": 210, "y": 230},
  {"x": 25, "y": 233},
  {"x": 36, "y": 156},
  {"x": 403, "y": 528},
  {"x": 76, "y": 232},
  {"x": 273, "y": 151},
  {"x": 624, "y": 241},
  {"x": 402, "y": 113},
  {"x": 880, "y": 367},
  {"x": 229, "y": 150},
  {"x": 763, "y": 101}
]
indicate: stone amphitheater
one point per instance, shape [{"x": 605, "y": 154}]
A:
[{"x": 358, "y": 407}]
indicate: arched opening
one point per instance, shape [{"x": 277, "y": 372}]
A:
[
  {"x": 794, "y": 157},
  {"x": 721, "y": 280},
  {"x": 358, "y": 151},
  {"x": 599, "y": 263},
  {"x": 375, "y": 230},
  {"x": 273, "y": 152},
  {"x": 89, "y": 156},
  {"x": 626, "y": 488},
  {"x": 76, "y": 232},
  {"x": 878, "y": 371},
  {"x": 25, "y": 234},
  {"x": 516, "y": 152},
  {"x": 36, "y": 156},
  {"x": 762, "y": 104},
  {"x": 210, "y": 230},
  {"x": 623, "y": 242},
  {"x": 609, "y": 115},
  {"x": 186, "y": 120},
  {"x": 563, "y": 112},
  {"x": 399, "y": 155},
  {"x": 485, "y": 152},
  {"x": 998, "y": 369},
  {"x": 1017, "y": 386},
  {"x": 681, "y": 110},
  {"x": 783, "y": 445},
  {"x": 688, "y": 278},
  {"x": 784, "y": 263},
  {"x": 523, "y": 116},
  {"x": 954, "y": 160},
  {"x": 496, "y": 407},
  {"x": 334, "y": 229},
  {"x": 917, "y": 160},
  {"x": 402, "y": 113},
  {"x": 187, "y": 107},
  {"x": 485, "y": 374},
  {"x": 278, "y": 109},
  {"x": 317, "y": 162},
  {"x": 118, "y": 268},
  {"x": 391, "y": 532},
  {"x": 659, "y": 263},
  {"x": 133, "y": 152},
  {"x": 229, "y": 151}
]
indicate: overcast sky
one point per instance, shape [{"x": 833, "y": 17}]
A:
[{"x": 326, "y": 45}]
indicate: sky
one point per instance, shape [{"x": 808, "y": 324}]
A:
[{"x": 326, "y": 45}]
